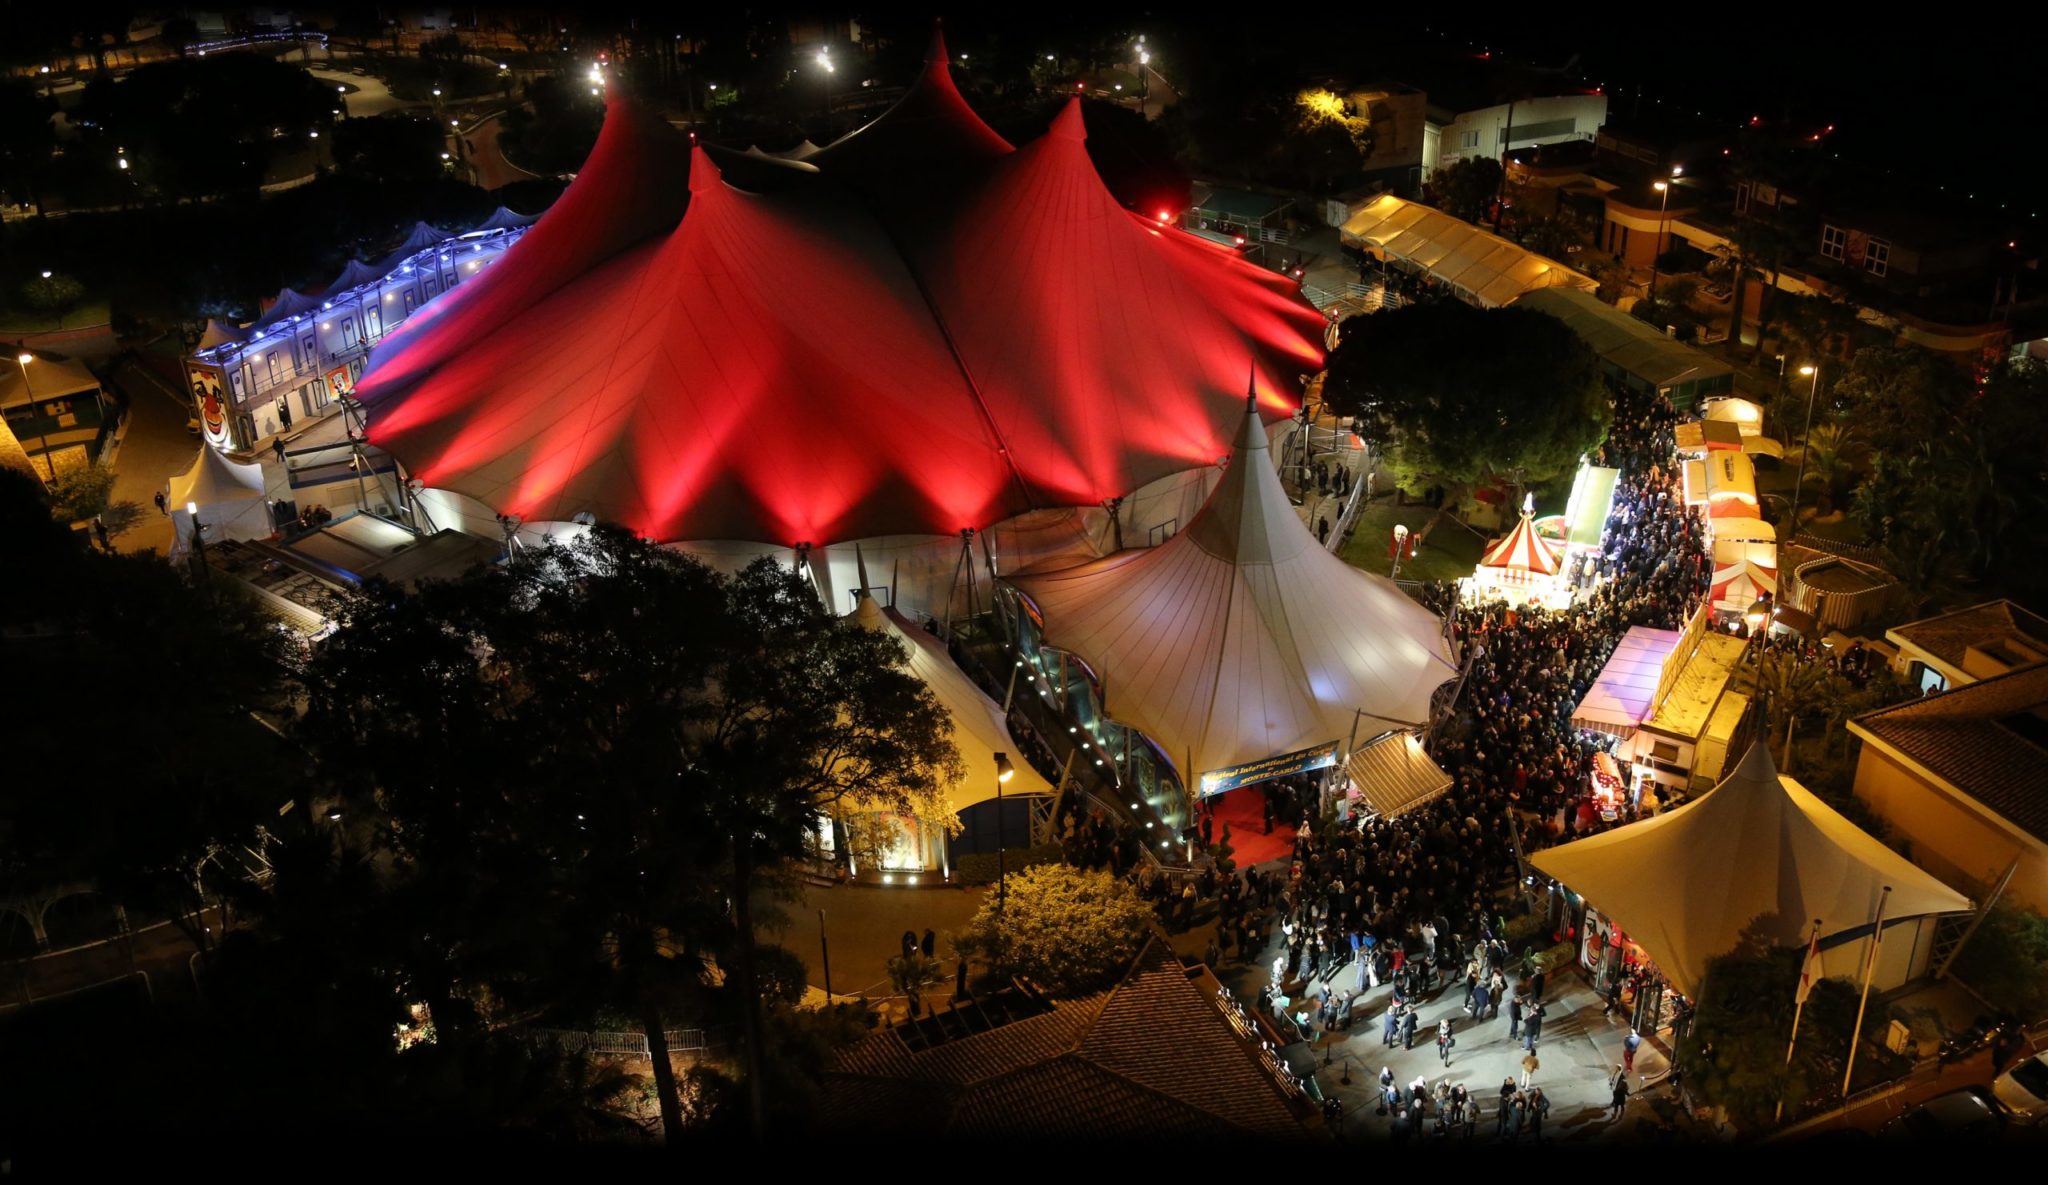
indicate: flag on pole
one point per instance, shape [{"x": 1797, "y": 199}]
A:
[{"x": 1809, "y": 968}]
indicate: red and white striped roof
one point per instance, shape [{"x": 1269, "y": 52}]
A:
[{"x": 1523, "y": 551}]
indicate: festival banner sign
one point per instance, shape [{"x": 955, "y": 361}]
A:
[
  {"x": 209, "y": 403},
  {"x": 1218, "y": 781}
]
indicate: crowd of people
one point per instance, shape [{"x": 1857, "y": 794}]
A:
[{"x": 1414, "y": 901}]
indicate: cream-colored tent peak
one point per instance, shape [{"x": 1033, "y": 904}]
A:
[
  {"x": 979, "y": 728},
  {"x": 1240, "y": 638},
  {"x": 1759, "y": 852}
]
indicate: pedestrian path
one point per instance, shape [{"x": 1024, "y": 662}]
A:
[{"x": 1577, "y": 1052}]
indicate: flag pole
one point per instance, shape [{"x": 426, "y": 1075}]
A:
[
  {"x": 1869, "y": 966},
  {"x": 1806, "y": 970}
]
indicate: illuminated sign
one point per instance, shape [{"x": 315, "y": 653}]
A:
[{"x": 1218, "y": 781}]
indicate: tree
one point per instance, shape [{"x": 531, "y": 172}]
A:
[
  {"x": 911, "y": 974},
  {"x": 2006, "y": 961},
  {"x": 1468, "y": 188},
  {"x": 27, "y": 137},
  {"x": 620, "y": 750},
  {"x": 1832, "y": 451},
  {"x": 397, "y": 149},
  {"x": 81, "y": 491},
  {"x": 1464, "y": 394},
  {"x": 1734, "y": 1055},
  {"x": 54, "y": 293},
  {"x": 1069, "y": 931}
]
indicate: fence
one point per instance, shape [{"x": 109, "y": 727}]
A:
[{"x": 695, "y": 1043}]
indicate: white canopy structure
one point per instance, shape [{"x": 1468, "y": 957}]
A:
[
  {"x": 1759, "y": 852},
  {"x": 229, "y": 497},
  {"x": 979, "y": 729},
  {"x": 1241, "y": 638},
  {"x": 1737, "y": 586},
  {"x": 1491, "y": 270},
  {"x": 1626, "y": 692}
]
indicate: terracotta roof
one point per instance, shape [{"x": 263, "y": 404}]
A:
[
  {"x": 1988, "y": 740},
  {"x": 1153, "y": 1056},
  {"x": 1947, "y": 636}
]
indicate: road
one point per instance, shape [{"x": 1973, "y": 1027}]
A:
[
  {"x": 367, "y": 95},
  {"x": 865, "y": 928},
  {"x": 154, "y": 448},
  {"x": 487, "y": 161}
]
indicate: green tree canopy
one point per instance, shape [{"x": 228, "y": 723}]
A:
[
  {"x": 1070, "y": 931},
  {"x": 1462, "y": 393},
  {"x": 601, "y": 756},
  {"x": 1466, "y": 190}
]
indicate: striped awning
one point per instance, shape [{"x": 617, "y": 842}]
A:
[{"x": 1392, "y": 774}]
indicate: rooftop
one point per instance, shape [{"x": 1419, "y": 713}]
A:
[
  {"x": 1687, "y": 706},
  {"x": 1154, "y": 1057},
  {"x": 1987, "y": 740},
  {"x": 1625, "y": 341},
  {"x": 1948, "y": 636}
]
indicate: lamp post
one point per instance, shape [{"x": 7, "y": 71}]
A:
[
  {"x": 1400, "y": 546},
  {"x": 825, "y": 60},
  {"x": 1811, "y": 371},
  {"x": 199, "y": 549},
  {"x": 1004, "y": 772},
  {"x": 22, "y": 360},
  {"x": 1663, "y": 189}
]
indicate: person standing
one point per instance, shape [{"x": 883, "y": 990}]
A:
[
  {"x": 1323, "y": 529},
  {"x": 1514, "y": 1018},
  {"x": 1529, "y": 1067},
  {"x": 1507, "y": 1104},
  {"x": 1532, "y": 1026},
  {"x": 1620, "y": 1087},
  {"x": 1444, "y": 1040},
  {"x": 1539, "y": 1106},
  {"x": 1481, "y": 999},
  {"x": 1408, "y": 1028},
  {"x": 928, "y": 943},
  {"x": 909, "y": 943},
  {"x": 162, "y": 504},
  {"x": 1628, "y": 1050},
  {"x": 1393, "y": 1024},
  {"x": 1613, "y": 998}
]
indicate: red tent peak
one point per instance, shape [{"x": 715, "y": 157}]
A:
[
  {"x": 1068, "y": 125},
  {"x": 935, "y": 55},
  {"x": 703, "y": 173}
]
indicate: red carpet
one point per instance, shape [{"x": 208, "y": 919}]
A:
[{"x": 1244, "y": 810}]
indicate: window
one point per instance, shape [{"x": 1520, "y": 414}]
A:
[
  {"x": 1742, "y": 197},
  {"x": 1664, "y": 751},
  {"x": 1832, "y": 239},
  {"x": 308, "y": 356},
  {"x": 1877, "y": 257},
  {"x": 1500, "y": 135},
  {"x": 1469, "y": 140},
  {"x": 276, "y": 371},
  {"x": 348, "y": 333}
]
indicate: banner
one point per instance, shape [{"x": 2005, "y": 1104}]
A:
[
  {"x": 209, "y": 403},
  {"x": 338, "y": 383},
  {"x": 1218, "y": 781}
]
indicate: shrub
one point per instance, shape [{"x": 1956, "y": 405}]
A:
[
  {"x": 2006, "y": 961},
  {"x": 1066, "y": 930}
]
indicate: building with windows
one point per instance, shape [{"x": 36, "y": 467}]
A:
[
  {"x": 307, "y": 350},
  {"x": 1959, "y": 648},
  {"x": 1420, "y": 128},
  {"x": 1963, "y": 774},
  {"x": 55, "y": 408}
]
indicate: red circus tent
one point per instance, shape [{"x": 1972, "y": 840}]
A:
[
  {"x": 632, "y": 186},
  {"x": 801, "y": 364},
  {"x": 1523, "y": 552}
]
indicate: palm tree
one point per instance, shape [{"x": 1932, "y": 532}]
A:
[{"x": 1832, "y": 451}]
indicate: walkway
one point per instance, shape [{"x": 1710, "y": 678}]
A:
[
  {"x": 1578, "y": 1052},
  {"x": 154, "y": 448},
  {"x": 865, "y": 929}
]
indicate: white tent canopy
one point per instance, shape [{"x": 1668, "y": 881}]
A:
[
  {"x": 979, "y": 729},
  {"x": 1756, "y": 851},
  {"x": 229, "y": 496},
  {"x": 1489, "y": 267},
  {"x": 1240, "y": 637}
]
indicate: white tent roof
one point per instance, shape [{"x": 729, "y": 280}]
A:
[
  {"x": 1240, "y": 637},
  {"x": 1393, "y": 774},
  {"x": 1523, "y": 551},
  {"x": 1492, "y": 269},
  {"x": 979, "y": 730},
  {"x": 1757, "y": 851},
  {"x": 218, "y": 333},
  {"x": 213, "y": 480},
  {"x": 1625, "y": 693}
]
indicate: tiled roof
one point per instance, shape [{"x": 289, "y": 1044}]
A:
[
  {"x": 1975, "y": 739},
  {"x": 1947, "y": 636},
  {"x": 1154, "y": 1056}
]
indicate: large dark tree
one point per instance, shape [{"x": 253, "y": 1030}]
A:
[
  {"x": 1468, "y": 188},
  {"x": 1461, "y": 394},
  {"x": 597, "y": 759},
  {"x": 202, "y": 126}
]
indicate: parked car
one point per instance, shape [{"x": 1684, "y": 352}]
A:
[
  {"x": 2024, "y": 1090},
  {"x": 1971, "y": 1113}
]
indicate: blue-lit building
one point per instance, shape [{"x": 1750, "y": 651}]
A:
[{"x": 305, "y": 351}]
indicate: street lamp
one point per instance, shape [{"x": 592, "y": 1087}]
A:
[
  {"x": 1004, "y": 772},
  {"x": 1812, "y": 370},
  {"x": 825, "y": 60},
  {"x": 1400, "y": 546},
  {"x": 22, "y": 360},
  {"x": 1657, "y": 245}
]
